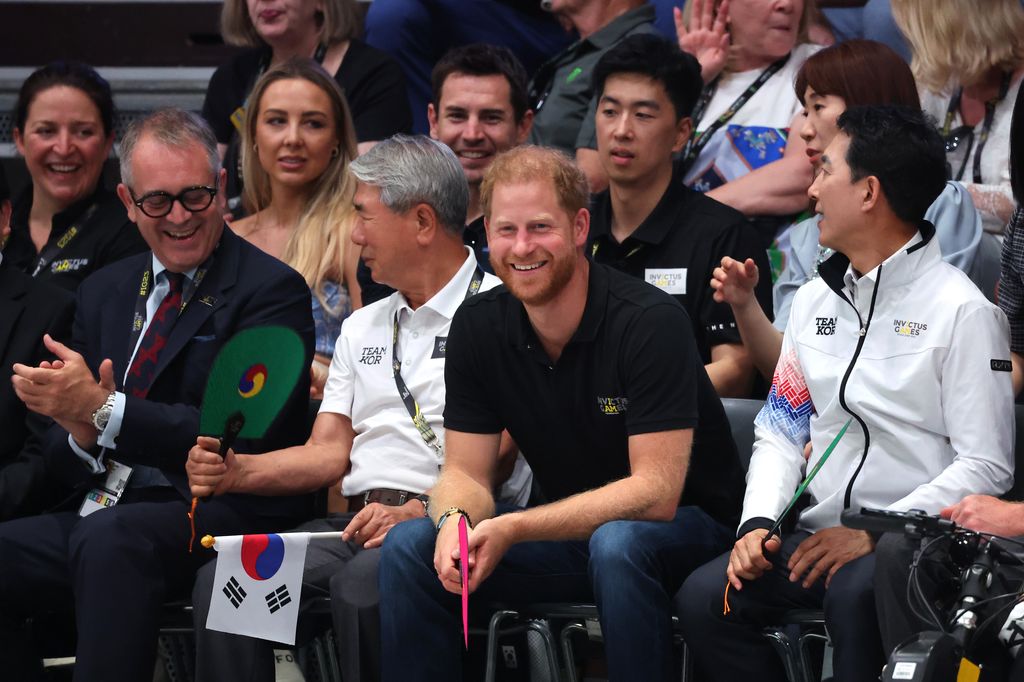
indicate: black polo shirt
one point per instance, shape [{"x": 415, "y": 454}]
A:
[
  {"x": 474, "y": 236},
  {"x": 677, "y": 248},
  {"x": 630, "y": 368},
  {"x": 103, "y": 235}
]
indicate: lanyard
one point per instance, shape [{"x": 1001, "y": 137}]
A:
[
  {"x": 51, "y": 251},
  {"x": 145, "y": 287},
  {"x": 418, "y": 420},
  {"x": 986, "y": 127},
  {"x": 699, "y": 140}
]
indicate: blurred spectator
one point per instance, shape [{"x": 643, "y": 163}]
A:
[
  {"x": 867, "y": 19},
  {"x": 1011, "y": 282},
  {"x": 296, "y": 147},
  {"x": 418, "y": 32},
  {"x": 648, "y": 224},
  {"x": 28, "y": 309},
  {"x": 969, "y": 62},
  {"x": 562, "y": 90},
  {"x": 854, "y": 73},
  {"x": 275, "y": 31},
  {"x": 66, "y": 224},
  {"x": 743, "y": 153},
  {"x": 479, "y": 110}
]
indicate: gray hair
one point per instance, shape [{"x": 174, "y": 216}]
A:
[
  {"x": 172, "y": 128},
  {"x": 413, "y": 169}
]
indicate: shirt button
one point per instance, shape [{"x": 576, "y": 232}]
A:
[{"x": 415, "y": 335}]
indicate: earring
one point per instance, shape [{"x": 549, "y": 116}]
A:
[
  {"x": 254, "y": 148},
  {"x": 335, "y": 152}
]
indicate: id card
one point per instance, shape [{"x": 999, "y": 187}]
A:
[{"x": 110, "y": 492}]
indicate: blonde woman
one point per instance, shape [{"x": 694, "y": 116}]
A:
[
  {"x": 968, "y": 61},
  {"x": 297, "y": 145}
]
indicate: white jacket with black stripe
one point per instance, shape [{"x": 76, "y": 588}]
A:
[{"x": 919, "y": 359}]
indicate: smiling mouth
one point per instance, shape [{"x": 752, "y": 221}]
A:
[
  {"x": 527, "y": 268},
  {"x": 63, "y": 167},
  {"x": 181, "y": 235}
]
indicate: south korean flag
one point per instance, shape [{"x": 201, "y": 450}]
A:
[{"x": 257, "y": 585}]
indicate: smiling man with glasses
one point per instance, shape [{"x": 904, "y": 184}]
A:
[{"x": 125, "y": 398}]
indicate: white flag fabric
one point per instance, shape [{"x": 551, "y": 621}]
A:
[{"x": 258, "y": 584}]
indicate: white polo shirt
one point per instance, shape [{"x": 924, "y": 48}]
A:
[{"x": 388, "y": 451}]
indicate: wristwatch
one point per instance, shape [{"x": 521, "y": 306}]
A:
[{"x": 102, "y": 414}]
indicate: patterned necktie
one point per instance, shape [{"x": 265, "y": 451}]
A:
[{"x": 143, "y": 368}]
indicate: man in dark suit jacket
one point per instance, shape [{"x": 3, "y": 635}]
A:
[
  {"x": 28, "y": 309},
  {"x": 149, "y": 327}
]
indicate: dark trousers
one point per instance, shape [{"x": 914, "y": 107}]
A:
[
  {"x": 418, "y": 32},
  {"x": 342, "y": 570},
  {"x": 629, "y": 568},
  {"x": 116, "y": 567},
  {"x": 729, "y": 648}
]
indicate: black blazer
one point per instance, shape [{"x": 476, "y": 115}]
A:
[
  {"x": 28, "y": 309},
  {"x": 244, "y": 287}
]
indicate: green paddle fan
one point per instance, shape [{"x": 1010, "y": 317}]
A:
[{"x": 249, "y": 383}]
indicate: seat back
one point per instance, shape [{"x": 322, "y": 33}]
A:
[{"x": 741, "y": 413}]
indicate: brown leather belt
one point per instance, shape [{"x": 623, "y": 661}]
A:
[{"x": 386, "y": 496}]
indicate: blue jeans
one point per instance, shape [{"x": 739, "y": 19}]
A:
[{"x": 630, "y": 569}]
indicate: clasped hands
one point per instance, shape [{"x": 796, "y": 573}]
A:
[
  {"x": 823, "y": 553},
  {"x": 489, "y": 540},
  {"x": 65, "y": 390}
]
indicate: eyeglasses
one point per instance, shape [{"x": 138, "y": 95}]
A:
[{"x": 158, "y": 204}]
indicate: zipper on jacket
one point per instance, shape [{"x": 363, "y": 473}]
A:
[{"x": 863, "y": 334}]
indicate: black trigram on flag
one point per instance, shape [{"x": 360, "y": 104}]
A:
[
  {"x": 234, "y": 592},
  {"x": 278, "y": 599}
]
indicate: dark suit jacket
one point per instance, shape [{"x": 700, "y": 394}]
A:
[
  {"x": 28, "y": 309},
  {"x": 244, "y": 287}
]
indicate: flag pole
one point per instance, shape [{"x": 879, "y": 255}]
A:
[{"x": 209, "y": 541}]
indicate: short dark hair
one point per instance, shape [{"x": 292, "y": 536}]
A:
[
  {"x": 481, "y": 59},
  {"x": 73, "y": 75},
  {"x": 1017, "y": 148},
  {"x": 901, "y": 147},
  {"x": 661, "y": 60}
]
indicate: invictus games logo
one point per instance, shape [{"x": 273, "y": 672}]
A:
[
  {"x": 826, "y": 326},
  {"x": 68, "y": 265},
  {"x": 908, "y": 328},
  {"x": 372, "y": 355},
  {"x": 612, "y": 405}
]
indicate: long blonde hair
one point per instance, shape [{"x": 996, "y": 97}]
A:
[
  {"x": 316, "y": 248},
  {"x": 956, "y": 43}
]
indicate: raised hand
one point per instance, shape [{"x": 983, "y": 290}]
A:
[
  {"x": 707, "y": 36},
  {"x": 734, "y": 282}
]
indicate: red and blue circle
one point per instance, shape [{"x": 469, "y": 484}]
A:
[
  {"x": 262, "y": 555},
  {"x": 253, "y": 380}
]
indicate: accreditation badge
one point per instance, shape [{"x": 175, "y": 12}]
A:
[{"x": 110, "y": 492}]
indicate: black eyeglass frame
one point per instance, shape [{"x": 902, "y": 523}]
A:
[{"x": 211, "y": 192}]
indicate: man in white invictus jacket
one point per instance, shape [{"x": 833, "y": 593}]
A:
[{"x": 907, "y": 348}]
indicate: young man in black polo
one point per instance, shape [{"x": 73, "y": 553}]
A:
[
  {"x": 648, "y": 224},
  {"x": 598, "y": 381}
]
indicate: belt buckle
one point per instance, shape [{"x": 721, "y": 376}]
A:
[
  {"x": 403, "y": 496},
  {"x": 366, "y": 497}
]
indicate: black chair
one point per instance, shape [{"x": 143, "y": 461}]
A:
[{"x": 801, "y": 628}]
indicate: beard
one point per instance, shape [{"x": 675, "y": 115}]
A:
[{"x": 559, "y": 272}]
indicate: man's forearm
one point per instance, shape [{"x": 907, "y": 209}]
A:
[
  {"x": 577, "y": 517},
  {"x": 457, "y": 489},
  {"x": 300, "y": 469}
]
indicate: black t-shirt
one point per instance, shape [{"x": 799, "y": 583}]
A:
[
  {"x": 372, "y": 81},
  {"x": 474, "y": 236},
  {"x": 677, "y": 248},
  {"x": 102, "y": 235},
  {"x": 630, "y": 368}
]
